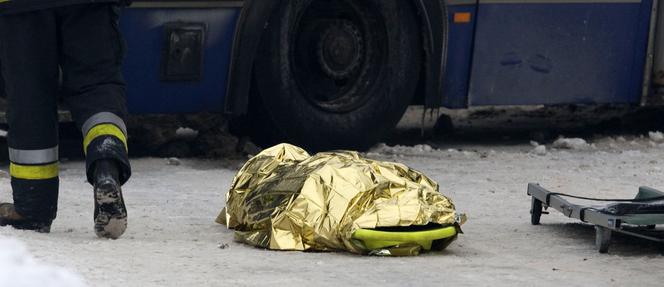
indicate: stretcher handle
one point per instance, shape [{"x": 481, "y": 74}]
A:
[{"x": 604, "y": 199}]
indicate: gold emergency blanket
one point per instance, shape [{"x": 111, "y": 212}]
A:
[{"x": 285, "y": 199}]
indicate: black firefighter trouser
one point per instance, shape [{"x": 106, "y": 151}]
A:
[{"x": 73, "y": 51}]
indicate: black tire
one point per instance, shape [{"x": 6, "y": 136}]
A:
[
  {"x": 337, "y": 73},
  {"x": 535, "y": 211},
  {"x": 602, "y": 239}
]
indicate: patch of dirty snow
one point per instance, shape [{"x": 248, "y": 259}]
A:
[
  {"x": 419, "y": 149},
  {"x": 18, "y": 268},
  {"x": 186, "y": 133},
  {"x": 173, "y": 161},
  {"x": 656, "y": 136},
  {"x": 571, "y": 143},
  {"x": 539, "y": 150},
  {"x": 632, "y": 153}
]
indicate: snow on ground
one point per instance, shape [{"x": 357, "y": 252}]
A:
[
  {"x": 420, "y": 149},
  {"x": 656, "y": 136},
  {"x": 172, "y": 239},
  {"x": 571, "y": 143},
  {"x": 19, "y": 269}
]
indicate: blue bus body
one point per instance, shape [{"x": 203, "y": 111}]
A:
[
  {"x": 547, "y": 52},
  {"x": 510, "y": 52},
  {"x": 143, "y": 29}
]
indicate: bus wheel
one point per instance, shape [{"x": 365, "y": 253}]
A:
[{"x": 337, "y": 73}]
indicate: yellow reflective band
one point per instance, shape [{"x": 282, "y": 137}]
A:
[
  {"x": 104, "y": 130},
  {"x": 33, "y": 171}
]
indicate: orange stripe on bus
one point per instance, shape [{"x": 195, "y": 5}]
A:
[{"x": 462, "y": 17}]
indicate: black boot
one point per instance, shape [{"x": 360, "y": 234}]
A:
[
  {"x": 110, "y": 211},
  {"x": 9, "y": 216}
]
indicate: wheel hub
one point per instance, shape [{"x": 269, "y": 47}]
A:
[{"x": 340, "y": 49}]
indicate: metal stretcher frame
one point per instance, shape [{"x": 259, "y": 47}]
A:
[{"x": 604, "y": 223}]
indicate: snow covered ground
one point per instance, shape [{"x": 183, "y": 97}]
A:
[
  {"x": 18, "y": 268},
  {"x": 172, "y": 239}
]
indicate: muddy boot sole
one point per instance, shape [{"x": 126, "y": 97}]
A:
[{"x": 110, "y": 211}]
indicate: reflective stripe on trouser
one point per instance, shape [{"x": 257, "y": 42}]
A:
[
  {"x": 103, "y": 118},
  {"x": 34, "y": 172},
  {"x": 105, "y": 137},
  {"x": 34, "y": 179},
  {"x": 38, "y": 156},
  {"x": 33, "y": 164}
]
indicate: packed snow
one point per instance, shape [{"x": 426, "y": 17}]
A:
[
  {"x": 420, "y": 149},
  {"x": 19, "y": 269},
  {"x": 657, "y": 137},
  {"x": 172, "y": 239},
  {"x": 539, "y": 150},
  {"x": 571, "y": 143}
]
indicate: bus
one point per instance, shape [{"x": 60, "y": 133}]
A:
[{"x": 329, "y": 74}]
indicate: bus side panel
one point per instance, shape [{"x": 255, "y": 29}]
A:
[
  {"x": 147, "y": 91},
  {"x": 559, "y": 53},
  {"x": 459, "y": 54}
]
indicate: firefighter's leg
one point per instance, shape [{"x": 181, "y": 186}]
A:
[
  {"x": 94, "y": 89},
  {"x": 29, "y": 55}
]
